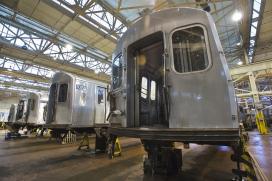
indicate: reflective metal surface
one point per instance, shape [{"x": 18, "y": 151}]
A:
[
  {"x": 84, "y": 105},
  {"x": 202, "y": 99}
]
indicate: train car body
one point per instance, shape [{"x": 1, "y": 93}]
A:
[
  {"x": 21, "y": 112},
  {"x": 12, "y": 114},
  {"x": 16, "y": 116},
  {"x": 171, "y": 80},
  {"x": 171, "y": 83},
  {"x": 36, "y": 104},
  {"x": 76, "y": 102}
]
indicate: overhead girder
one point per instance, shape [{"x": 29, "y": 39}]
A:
[
  {"x": 23, "y": 85},
  {"x": 11, "y": 51},
  {"x": 24, "y": 75},
  {"x": 258, "y": 66},
  {"x": 81, "y": 31},
  {"x": 76, "y": 18},
  {"x": 55, "y": 38},
  {"x": 263, "y": 93}
]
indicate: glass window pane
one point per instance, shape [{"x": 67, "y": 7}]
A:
[
  {"x": 20, "y": 110},
  {"x": 63, "y": 92},
  {"x": 189, "y": 50},
  {"x": 144, "y": 88},
  {"x": 117, "y": 72},
  {"x": 100, "y": 94},
  {"x": 153, "y": 90}
]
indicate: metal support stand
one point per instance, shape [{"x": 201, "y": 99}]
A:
[
  {"x": 114, "y": 147},
  {"x": 84, "y": 142},
  {"x": 260, "y": 121}
]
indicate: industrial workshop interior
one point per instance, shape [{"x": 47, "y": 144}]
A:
[{"x": 135, "y": 90}]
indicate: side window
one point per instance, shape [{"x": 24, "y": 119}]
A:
[
  {"x": 100, "y": 95},
  {"x": 153, "y": 90},
  {"x": 144, "y": 88},
  {"x": 63, "y": 92},
  {"x": 189, "y": 50},
  {"x": 117, "y": 72},
  {"x": 32, "y": 104}
]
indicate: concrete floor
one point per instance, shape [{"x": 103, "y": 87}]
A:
[
  {"x": 40, "y": 159},
  {"x": 261, "y": 148}
]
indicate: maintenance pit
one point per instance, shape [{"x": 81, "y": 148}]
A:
[{"x": 41, "y": 159}]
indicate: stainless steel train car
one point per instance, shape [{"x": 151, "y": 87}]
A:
[
  {"x": 171, "y": 83},
  {"x": 21, "y": 112},
  {"x": 77, "y": 104},
  {"x": 12, "y": 114},
  {"x": 36, "y": 104},
  {"x": 16, "y": 116}
]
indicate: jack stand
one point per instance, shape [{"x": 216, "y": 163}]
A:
[
  {"x": 3, "y": 126},
  {"x": 261, "y": 123},
  {"x": 84, "y": 142},
  {"x": 163, "y": 158},
  {"x": 114, "y": 147}
]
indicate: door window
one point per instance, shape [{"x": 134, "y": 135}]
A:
[
  {"x": 144, "y": 88},
  {"x": 117, "y": 72},
  {"x": 32, "y": 104},
  {"x": 63, "y": 93},
  {"x": 153, "y": 90},
  {"x": 189, "y": 50},
  {"x": 100, "y": 95}
]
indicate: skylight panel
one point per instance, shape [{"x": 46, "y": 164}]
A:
[
  {"x": 256, "y": 6},
  {"x": 255, "y": 14},
  {"x": 255, "y": 24}
]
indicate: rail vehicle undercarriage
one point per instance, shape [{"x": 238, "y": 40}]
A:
[
  {"x": 164, "y": 158},
  {"x": 65, "y": 134}
]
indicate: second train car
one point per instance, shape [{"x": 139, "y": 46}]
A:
[{"x": 77, "y": 104}]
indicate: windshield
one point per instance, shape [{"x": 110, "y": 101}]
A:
[{"x": 117, "y": 72}]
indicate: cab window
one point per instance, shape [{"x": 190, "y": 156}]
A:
[
  {"x": 189, "y": 50},
  {"x": 63, "y": 92},
  {"x": 100, "y": 95},
  {"x": 117, "y": 72}
]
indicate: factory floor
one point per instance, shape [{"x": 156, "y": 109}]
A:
[
  {"x": 40, "y": 159},
  {"x": 260, "y": 146}
]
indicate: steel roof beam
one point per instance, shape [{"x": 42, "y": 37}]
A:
[
  {"x": 81, "y": 21},
  {"x": 23, "y": 85},
  {"x": 258, "y": 66},
  {"x": 43, "y": 60},
  {"x": 24, "y": 75}
]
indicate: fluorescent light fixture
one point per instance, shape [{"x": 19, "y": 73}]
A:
[
  {"x": 68, "y": 47},
  {"x": 238, "y": 44},
  {"x": 240, "y": 63},
  {"x": 237, "y": 16}
]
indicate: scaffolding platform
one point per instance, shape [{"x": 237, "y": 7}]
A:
[{"x": 260, "y": 148}]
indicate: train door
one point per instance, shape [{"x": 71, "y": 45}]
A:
[
  {"x": 51, "y": 107},
  {"x": 11, "y": 113},
  {"x": 147, "y": 54},
  {"x": 20, "y": 110},
  {"x": 100, "y": 105},
  {"x": 29, "y": 107}
]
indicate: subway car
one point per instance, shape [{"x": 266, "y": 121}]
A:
[
  {"x": 77, "y": 104},
  {"x": 36, "y": 104},
  {"x": 171, "y": 83}
]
